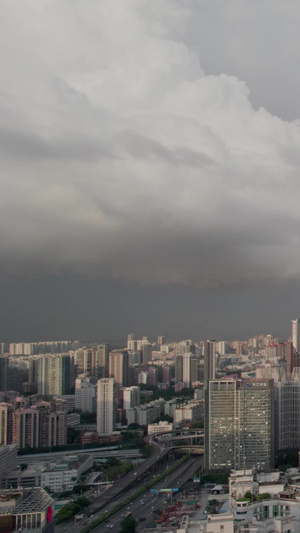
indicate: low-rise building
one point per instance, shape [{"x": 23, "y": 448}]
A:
[
  {"x": 63, "y": 476},
  {"x": 30, "y": 510},
  {"x": 160, "y": 427}
]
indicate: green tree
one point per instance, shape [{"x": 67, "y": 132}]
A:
[
  {"x": 70, "y": 509},
  {"x": 195, "y": 425},
  {"x": 146, "y": 450},
  {"x": 128, "y": 524}
]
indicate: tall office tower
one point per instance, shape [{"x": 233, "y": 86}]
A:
[
  {"x": 186, "y": 369},
  {"x": 146, "y": 353},
  {"x": 100, "y": 361},
  {"x": 179, "y": 368},
  {"x": 106, "y": 406},
  {"x": 209, "y": 360},
  {"x": 295, "y": 333},
  {"x": 288, "y": 415},
  {"x": 3, "y": 373},
  {"x": 240, "y": 426},
  {"x": 85, "y": 395},
  {"x": 130, "y": 337},
  {"x": 118, "y": 367},
  {"x": 55, "y": 373},
  {"x": 166, "y": 374},
  {"x": 26, "y": 428},
  {"x": 6, "y": 423},
  {"x": 131, "y": 397},
  {"x": 152, "y": 376},
  {"x": 160, "y": 340}
]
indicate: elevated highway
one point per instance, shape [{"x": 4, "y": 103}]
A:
[{"x": 192, "y": 439}]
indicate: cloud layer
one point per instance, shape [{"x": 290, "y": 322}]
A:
[{"x": 122, "y": 158}]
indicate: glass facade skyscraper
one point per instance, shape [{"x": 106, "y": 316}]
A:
[{"x": 240, "y": 424}]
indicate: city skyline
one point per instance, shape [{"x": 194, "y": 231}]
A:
[{"x": 150, "y": 161}]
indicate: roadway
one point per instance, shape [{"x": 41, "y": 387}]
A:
[
  {"x": 103, "y": 500},
  {"x": 145, "y": 505},
  {"x": 95, "y": 452}
]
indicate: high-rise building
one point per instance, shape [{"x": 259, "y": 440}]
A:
[
  {"x": 160, "y": 340},
  {"x": 195, "y": 368},
  {"x": 106, "y": 406},
  {"x": 100, "y": 361},
  {"x": 146, "y": 353},
  {"x": 209, "y": 360},
  {"x": 131, "y": 397},
  {"x": 166, "y": 374},
  {"x": 3, "y": 373},
  {"x": 8, "y": 460},
  {"x": 239, "y": 432},
  {"x": 85, "y": 395},
  {"x": 55, "y": 372},
  {"x": 295, "y": 333},
  {"x": 52, "y": 427},
  {"x": 184, "y": 347},
  {"x": 186, "y": 369},
  {"x": 152, "y": 376},
  {"x": 288, "y": 412},
  {"x": 179, "y": 368},
  {"x": 26, "y": 428},
  {"x": 143, "y": 377},
  {"x": 6, "y": 423},
  {"x": 131, "y": 343},
  {"x": 118, "y": 367}
]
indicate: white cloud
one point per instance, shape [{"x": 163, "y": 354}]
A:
[{"x": 121, "y": 157}]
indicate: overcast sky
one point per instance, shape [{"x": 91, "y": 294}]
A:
[{"x": 150, "y": 155}]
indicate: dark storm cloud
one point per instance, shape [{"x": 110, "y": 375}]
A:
[{"x": 121, "y": 158}]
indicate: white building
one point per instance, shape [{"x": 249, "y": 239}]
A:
[
  {"x": 145, "y": 414},
  {"x": 192, "y": 411},
  {"x": 295, "y": 333},
  {"x": 85, "y": 395},
  {"x": 131, "y": 397},
  {"x": 65, "y": 475},
  {"x": 55, "y": 374},
  {"x": 143, "y": 377},
  {"x": 106, "y": 406},
  {"x": 160, "y": 427},
  {"x": 186, "y": 369}
]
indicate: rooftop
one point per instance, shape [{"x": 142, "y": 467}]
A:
[{"x": 30, "y": 500}]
